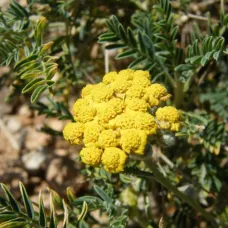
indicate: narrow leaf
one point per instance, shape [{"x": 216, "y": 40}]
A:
[
  {"x": 122, "y": 33},
  {"x": 83, "y": 212},
  {"x": 115, "y": 22},
  {"x": 115, "y": 46},
  {"x": 203, "y": 61},
  {"x": 110, "y": 26},
  {"x": 102, "y": 194},
  {"x": 56, "y": 199},
  {"x": 28, "y": 59},
  {"x": 126, "y": 54},
  {"x": 216, "y": 55},
  {"x": 137, "y": 61},
  {"x": 71, "y": 197},
  {"x": 13, "y": 224},
  {"x": 27, "y": 203},
  {"x": 13, "y": 203},
  {"x": 183, "y": 67},
  {"x": 7, "y": 216},
  {"x": 52, "y": 223},
  {"x": 131, "y": 38},
  {"x": 66, "y": 215},
  {"x": 42, "y": 216},
  {"x": 33, "y": 84},
  {"x": 37, "y": 92},
  {"x": 142, "y": 45}
]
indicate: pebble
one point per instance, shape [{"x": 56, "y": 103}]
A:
[
  {"x": 13, "y": 124},
  {"x": 34, "y": 160},
  {"x": 35, "y": 139}
]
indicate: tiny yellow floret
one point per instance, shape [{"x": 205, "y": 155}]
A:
[
  {"x": 73, "y": 132},
  {"x": 113, "y": 159},
  {"x": 91, "y": 156}
]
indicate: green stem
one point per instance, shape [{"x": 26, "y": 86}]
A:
[
  {"x": 166, "y": 72},
  {"x": 222, "y": 11},
  {"x": 179, "y": 94}
]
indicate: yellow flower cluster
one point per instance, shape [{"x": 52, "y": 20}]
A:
[{"x": 113, "y": 118}]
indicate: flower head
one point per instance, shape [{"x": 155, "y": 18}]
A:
[
  {"x": 146, "y": 122},
  {"x": 142, "y": 73},
  {"x": 102, "y": 94},
  {"x": 109, "y": 77},
  {"x": 105, "y": 113},
  {"x": 156, "y": 93},
  {"x": 136, "y": 104},
  {"x": 91, "y": 133},
  {"x": 121, "y": 85},
  {"x": 168, "y": 118},
  {"x": 113, "y": 159},
  {"x": 117, "y": 104},
  {"x": 141, "y": 80},
  {"x": 108, "y": 138},
  {"x": 87, "y": 90},
  {"x": 133, "y": 141},
  {"x": 114, "y": 118},
  {"x": 78, "y": 105},
  {"x": 91, "y": 156},
  {"x": 136, "y": 91},
  {"x": 127, "y": 74},
  {"x": 123, "y": 121},
  {"x": 85, "y": 114},
  {"x": 73, "y": 132}
]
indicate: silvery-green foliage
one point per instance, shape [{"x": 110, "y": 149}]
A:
[{"x": 29, "y": 215}]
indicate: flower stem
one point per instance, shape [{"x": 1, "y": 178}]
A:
[{"x": 179, "y": 94}]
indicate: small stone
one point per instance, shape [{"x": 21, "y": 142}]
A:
[
  {"x": 56, "y": 124},
  {"x": 25, "y": 121},
  {"x": 34, "y": 160},
  {"x": 35, "y": 139},
  {"x": 103, "y": 218},
  {"x": 61, "y": 152},
  {"x": 13, "y": 124},
  {"x": 56, "y": 171},
  {"x": 35, "y": 180},
  {"x": 25, "y": 111}
]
